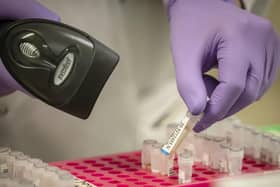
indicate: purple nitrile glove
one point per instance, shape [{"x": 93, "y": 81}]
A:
[
  {"x": 245, "y": 48},
  {"x": 14, "y": 10}
]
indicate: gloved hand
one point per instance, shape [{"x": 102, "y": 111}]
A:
[
  {"x": 245, "y": 48},
  {"x": 13, "y": 10}
]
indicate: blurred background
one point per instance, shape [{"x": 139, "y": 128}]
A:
[{"x": 139, "y": 99}]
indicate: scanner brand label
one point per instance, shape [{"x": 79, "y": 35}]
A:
[{"x": 64, "y": 68}]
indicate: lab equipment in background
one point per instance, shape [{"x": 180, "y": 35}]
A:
[{"x": 59, "y": 64}]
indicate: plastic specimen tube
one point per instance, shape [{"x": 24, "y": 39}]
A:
[
  {"x": 238, "y": 135},
  {"x": 223, "y": 166},
  {"x": 177, "y": 137},
  {"x": 199, "y": 148},
  {"x": 146, "y": 153},
  {"x": 11, "y": 158},
  {"x": 273, "y": 150},
  {"x": 167, "y": 165},
  {"x": 257, "y": 139},
  {"x": 234, "y": 159},
  {"x": 19, "y": 165},
  {"x": 185, "y": 163},
  {"x": 4, "y": 152},
  {"x": 170, "y": 129},
  {"x": 156, "y": 158},
  {"x": 265, "y": 153},
  {"x": 216, "y": 152}
]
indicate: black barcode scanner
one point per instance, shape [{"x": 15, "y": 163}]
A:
[{"x": 61, "y": 65}]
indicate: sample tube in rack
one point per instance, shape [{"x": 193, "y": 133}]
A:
[
  {"x": 156, "y": 158},
  {"x": 265, "y": 153},
  {"x": 235, "y": 157},
  {"x": 167, "y": 165},
  {"x": 216, "y": 154},
  {"x": 20, "y": 165},
  {"x": 257, "y": 138},
  {"x": 146, "y": 153},
  {"x": 11, "y": 158},
  {"x": 223, "y": 166},
  {"x": 185, "y": 163},
  {"x": 4, "y": 152}
]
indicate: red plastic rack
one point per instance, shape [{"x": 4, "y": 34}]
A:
[{"x": 124, "y": 170}]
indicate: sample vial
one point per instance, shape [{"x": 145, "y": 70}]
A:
[
  {"x": 11, "y": 158},
  {"x": 257, "y": 139},
  {"x": 277, "y": 156},
  {"x": 238, "y": 135},
  {"x": 199, "y": 147},
  {"x": 235, "y": 157},
  {"x": 207, "y": 145},
  {"x": 273, "y": 160},
  {"x": 39, "y": 173},
  {"x": 170, "y": 129},
  {"x": 248, "y": 141},
  {"x": 4, "y": 152},
  {"x": 216, "y": 153},
  {"x": 223, "y": 166},
  {"x": 146, "y": 153},
  {"x": 185, "y": 163},
  {"x": 177, "y": 137},
  {"x": 66, "y": 180},
  {"x": 19, "y": 166},
  {"x": 50, "y": 177},
  {"x": 156, "y": 158},
  {"x": 167, "y": 165},
  {"x": 265, "y": 153}
]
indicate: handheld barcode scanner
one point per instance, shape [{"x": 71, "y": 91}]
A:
[{"x": 61, "y": 65}]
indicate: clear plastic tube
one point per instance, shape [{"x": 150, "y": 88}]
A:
[
  {"x": 223, "y": 166},
  {"x": 4, "y": 152},
  {"x": 177, "y": 137},
  {"x": 156, "y": 158},
  {"x": 235, "y": 157},
  {"x": 257, "y": 139},
  {"x": 248, "y": 141},
  {"x": 238, "y": 135},
  {"x": 146, "y": 153},
  {"x": 185, "y": 163},
  {"x": 216, "y": 152},
  {"x": 265, "y": 154},
  {"x": 167, "y": 165},
  {"x": 19, "y": 166},
  {"x": 170, "y": 129},
  {"x": 11, "y": 158}
]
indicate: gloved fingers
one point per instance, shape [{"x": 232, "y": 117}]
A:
[
  {"x": 248, "y": 96},
  {"x": 23, "y": 9},
  {"x": 210, "y": 83},
  {"x": 188, "y": 58},
  {"x": 233, "y": 69},
  {"x": 271, "y": 69},
  {"x": 191, "y": 88},
  {"x": 274, "y": 67}
]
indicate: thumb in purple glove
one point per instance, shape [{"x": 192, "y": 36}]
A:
[
  {"x": 244, "y": 47},
  {"x": 13, "y": 10}
]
